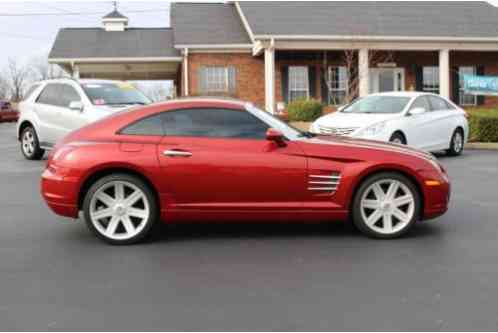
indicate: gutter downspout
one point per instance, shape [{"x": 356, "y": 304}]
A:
[{"x": 185, "y": 72}]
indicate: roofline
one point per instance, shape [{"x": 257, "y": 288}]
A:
[
  {"x": 115, "y": 59},
  {"x": 244, "y": 20},
  {"x": 377, "y": 38},
  {"x": 213, "y": 46}
]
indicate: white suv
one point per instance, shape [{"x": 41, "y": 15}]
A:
[{"x": 54, "y": 108}]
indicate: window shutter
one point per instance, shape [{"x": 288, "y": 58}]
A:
[
  {"x": 480, "y": 71},
  {"x": 323, "y": 85},
  {"x": 419, "y": 78},
  {"x": 285, "y": 83},
  {"x": 455, "y": 85},
  {"x": 201, "y": 79},
  {"x": 232, "y": 79},
  {"x": 312, "y": 81}
]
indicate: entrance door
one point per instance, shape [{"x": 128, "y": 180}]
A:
[{"x": 387, "y": 79}]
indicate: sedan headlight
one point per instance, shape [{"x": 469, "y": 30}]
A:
[{"x": 374, "y": 129}]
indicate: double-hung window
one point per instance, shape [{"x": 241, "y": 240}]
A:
[
  {"x": 338, "y": 81},
  {"x": 466, "y": 99},
  {"x": 431, "y": 79},
  {"x": 298, "y": 83},
  {"x": 217, "y": 80}
]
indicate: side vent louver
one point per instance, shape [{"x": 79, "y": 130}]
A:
[{"x": 324, "y": 183}]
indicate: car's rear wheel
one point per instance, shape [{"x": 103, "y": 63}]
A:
[
  {"x": 30, "y": 146},
  {"x": 386, "y": 206},
  {"x": 120, "y": 209},
  {"x": 456, "y": 145}
]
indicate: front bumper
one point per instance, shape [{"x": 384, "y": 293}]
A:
[
  {"x": 60, "y": 192},
  {"x": 436, "y": 197}
]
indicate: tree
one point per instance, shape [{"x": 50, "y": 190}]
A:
[
  {"x": 349, "y": 60},
  {"x": 17, "y": 76},
  {"x": 4, "y": 88},
  {"x": 43, "y": 70}
]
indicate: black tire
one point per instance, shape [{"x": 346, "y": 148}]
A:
[
  {"x": 398, "y": 138},
  {"x": 151, "y": 221},
  {"x": 456, "y": 147},
  {"x": 358, "y": 218},
  {"x": 34, "y": 152}
]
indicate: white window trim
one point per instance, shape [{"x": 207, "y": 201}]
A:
[
  {"x": 289, "y": 84},
  {"x": 331, "y": 90},
  {"x": 461, "y": 89},
  {"x": 435, "y": 75}
]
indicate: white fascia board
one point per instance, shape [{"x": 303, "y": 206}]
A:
[
  {"x": 243, "y": 18},
  {"x": 117, "y": 59},
  {"x": 213, "y": 46},
  {"x": 377, "y": 38}
]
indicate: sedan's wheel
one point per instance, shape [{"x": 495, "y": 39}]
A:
[
  {"x": 386, "y": 206},
  {"x": 456, "y": 145},
  {"x": 398, "y": 138},
  {"x": 120, "y": 209},
  {"x": 30, "y": 146}
]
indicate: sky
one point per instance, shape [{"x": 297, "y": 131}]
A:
[{"x": 22, "y": 37}]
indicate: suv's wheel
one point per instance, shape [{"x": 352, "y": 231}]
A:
[
  {"x": 398, "y": 138},
  {"x": 386, "y": 206},
  {"x": 30, "y": 146},
  {"x": 456, "y": 145},
  {"x": 120, "y": 209}
]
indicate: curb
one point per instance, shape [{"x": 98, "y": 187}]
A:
[{"x": 482, "y": 145}]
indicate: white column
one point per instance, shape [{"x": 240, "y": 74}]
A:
[
  {"x": 363, "y": 72},
  {"x": 270, "y": 79},
  {"x": 185, "y": 72},
  {"x": 444, "y": 73}
]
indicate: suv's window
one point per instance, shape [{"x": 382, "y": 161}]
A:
[
  {"x": 49, "y": 94},
  {"x": 147, "y": 126},
  {"x": 438, "y": 103},
  {"x": 31, "y": 90},
  {"x": 421, "y": 102},
  {"x": 68, "y": 94},
  {"x": 212, "y": 122}
]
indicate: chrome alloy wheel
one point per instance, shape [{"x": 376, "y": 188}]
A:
[
  {"x": 28, "y": 143},
  {"x": 387, "y": 206},
  {"x": 119, "y": 210},
  {"x": 458, "y": 142}
]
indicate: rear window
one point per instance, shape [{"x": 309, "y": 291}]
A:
[{"x": 114, "y": 93}]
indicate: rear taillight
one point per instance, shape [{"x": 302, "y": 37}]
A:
[{"x": 466, "y": 115}]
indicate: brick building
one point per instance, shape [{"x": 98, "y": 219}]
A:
[{"x": 271, "y": 53}]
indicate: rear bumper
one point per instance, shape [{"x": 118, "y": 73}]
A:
[{"x": 60, "y": 193}]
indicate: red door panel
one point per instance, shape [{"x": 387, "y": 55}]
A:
[{"x": 231, "y": 174}]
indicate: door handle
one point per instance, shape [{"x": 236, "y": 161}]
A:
[{"x": 177, "y": 153}]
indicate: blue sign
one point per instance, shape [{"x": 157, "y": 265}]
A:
[{"x": 480, "y": 85}]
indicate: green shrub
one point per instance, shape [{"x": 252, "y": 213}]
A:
[
  {"x": 483, "y": 125},
  {"x": 304, "y": 110}
]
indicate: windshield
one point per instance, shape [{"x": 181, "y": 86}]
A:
[
  {"x": 114, "y": 93},
  {"x": 378, "y": 104},
  {"x": 288, "y": 131}
]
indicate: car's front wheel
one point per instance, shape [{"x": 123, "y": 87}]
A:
[
  {"x": 30, "y": 146},
  {"x": 456, "y": 144},
  {"x": 120, "y": 209},
  {"x": 386, "y": 206}
]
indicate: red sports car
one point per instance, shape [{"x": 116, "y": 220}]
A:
[{"x": 221, "y": 160}]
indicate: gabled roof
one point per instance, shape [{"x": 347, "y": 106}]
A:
[
  {"x": 98, "y": 43},
  {"x": 378, "y": 18},
  {"x": 115, "y": 15},
  {"x": 207, "y": 23}
]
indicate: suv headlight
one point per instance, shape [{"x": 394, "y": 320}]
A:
[{"x": 374, "y": 129}]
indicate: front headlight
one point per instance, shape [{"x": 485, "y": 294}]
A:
[{"x": 374, "y": 129}]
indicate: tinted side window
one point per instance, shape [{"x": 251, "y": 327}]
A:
[
  {"x": 68, "y": 95},
  {"x": 48, "y": 95},
  {"x": 147, "y": 126},
  {"x": 222, "y": 123},
  {"x": 421, "y": 102},
  {"x": 438, "y": 103}
]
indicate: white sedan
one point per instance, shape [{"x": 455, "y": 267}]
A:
[{"x": 422, "y": 120}]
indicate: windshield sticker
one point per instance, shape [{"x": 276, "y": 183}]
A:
[
  {"x": 125, "y": 85},
  {"x": 99, "y": 101},
  {"x": 92, "y": 86}
]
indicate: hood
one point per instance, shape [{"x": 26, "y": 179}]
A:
[{"x": 359, "y": 120}]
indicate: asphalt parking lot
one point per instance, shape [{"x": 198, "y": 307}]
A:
[{"x": 55, "y": 275}]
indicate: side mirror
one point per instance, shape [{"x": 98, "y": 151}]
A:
[
  {"x": 76, "y": 105},
  {"x": 275, "y": 136},
  {"x": 416, "y": 111}
]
